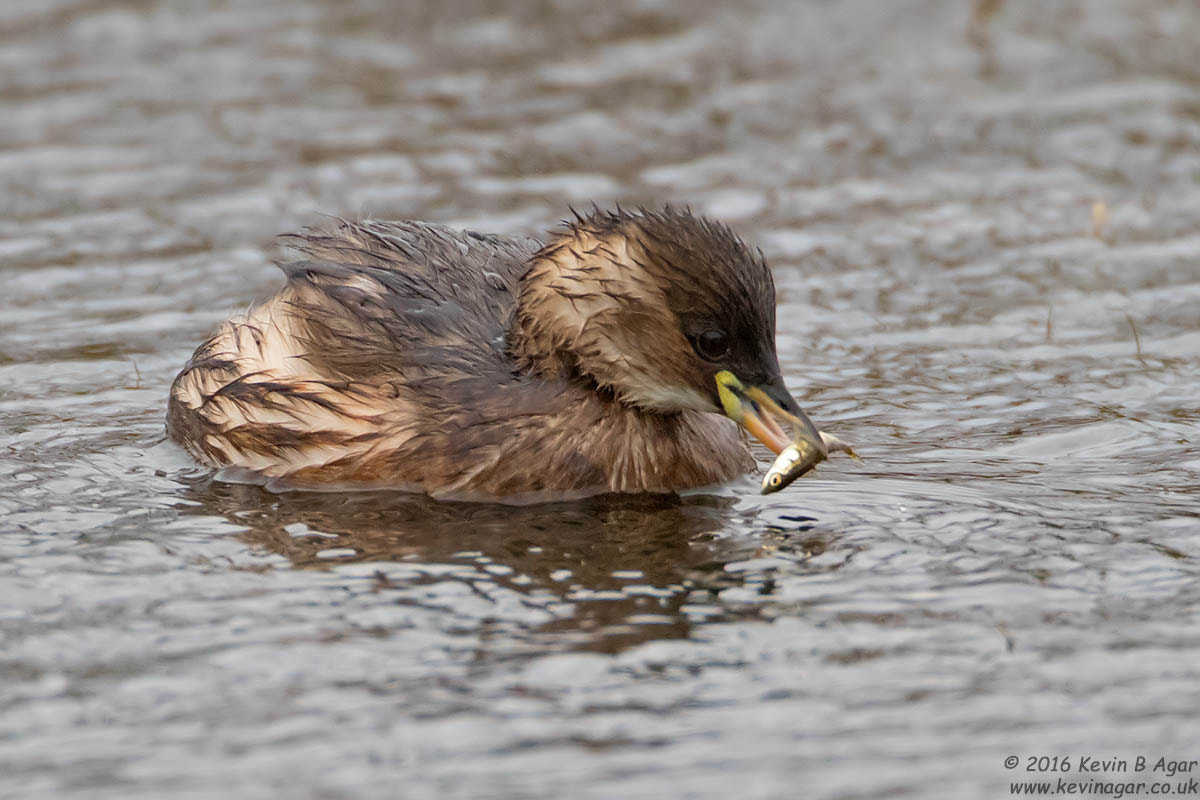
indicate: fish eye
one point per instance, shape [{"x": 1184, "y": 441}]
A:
[
  {"x": 711, "y": 345},
  {"x": 776, "y": 480}
]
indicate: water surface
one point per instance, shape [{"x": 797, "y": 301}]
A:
[{"x": 983, "y": 229}]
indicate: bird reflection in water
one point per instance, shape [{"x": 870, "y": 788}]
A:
[{"x": 615, "y": 570}]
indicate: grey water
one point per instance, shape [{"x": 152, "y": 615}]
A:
[{"x": 983, "y": 224}]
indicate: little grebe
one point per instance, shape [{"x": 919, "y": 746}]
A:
[{"x": 410, "y": 355}]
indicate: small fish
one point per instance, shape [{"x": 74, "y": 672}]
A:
[
  {"x": 792, "y": 462},
  {"x": 798, "y": 458}
]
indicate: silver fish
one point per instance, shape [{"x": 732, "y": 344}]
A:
[
  {"x": 792, "y": 462},
  {"x": 798, "y": 458}
]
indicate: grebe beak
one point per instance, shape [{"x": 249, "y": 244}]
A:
[{"x": 759, "y": 409}]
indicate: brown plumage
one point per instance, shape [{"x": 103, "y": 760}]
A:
[{"x": 410, "y": 355}]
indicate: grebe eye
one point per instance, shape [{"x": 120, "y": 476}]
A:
[{"x": 712, "y": 345}]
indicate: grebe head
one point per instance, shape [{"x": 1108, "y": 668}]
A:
[{"x": 667, "y": 311}]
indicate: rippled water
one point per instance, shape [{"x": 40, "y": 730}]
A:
[{"x": 983, "y": 224}]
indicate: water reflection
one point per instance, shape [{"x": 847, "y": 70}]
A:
[{"x": 611, "y": 571}]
